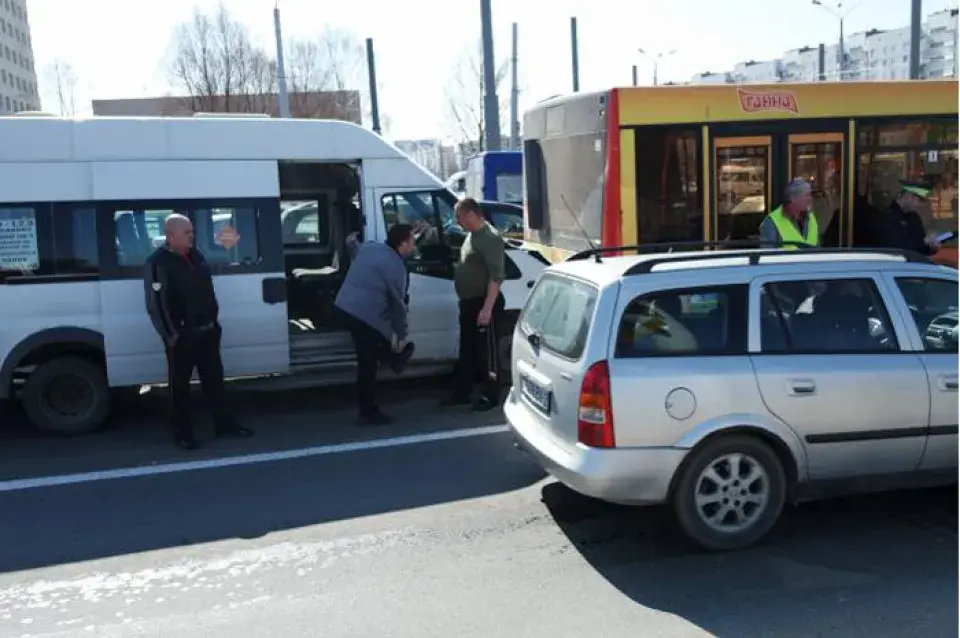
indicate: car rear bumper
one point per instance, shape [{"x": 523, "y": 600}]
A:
[{"x": 632, "y": 476}]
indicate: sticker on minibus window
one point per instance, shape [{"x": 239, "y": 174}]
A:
[{"x": 18, "y": 239}]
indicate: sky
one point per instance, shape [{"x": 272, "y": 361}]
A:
[{"x": 120, "y": 48}]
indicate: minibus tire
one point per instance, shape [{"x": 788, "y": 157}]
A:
[{"x": 51, "y": 412}]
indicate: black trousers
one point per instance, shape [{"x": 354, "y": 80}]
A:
[
  {"x": 479, "y": 350},
  {"x": 371, "y": 348},
  {"x": 197, "y": 350}
]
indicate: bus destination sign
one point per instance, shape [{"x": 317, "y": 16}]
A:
[{"x": 759, "y": 101}]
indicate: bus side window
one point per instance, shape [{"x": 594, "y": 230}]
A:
[
  {"x": 48, "y": 241},
  {"x": 137, "y": 233},
  {"x": 227, "y": 236}
]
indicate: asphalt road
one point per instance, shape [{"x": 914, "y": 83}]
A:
[{"x": 462, "y": 537}]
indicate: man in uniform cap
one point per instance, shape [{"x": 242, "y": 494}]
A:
[{"x": 904, "y": 226}]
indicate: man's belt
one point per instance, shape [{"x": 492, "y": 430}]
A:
[{"x": 207, "y": 327}]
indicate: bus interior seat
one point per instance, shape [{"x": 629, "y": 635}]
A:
[
  {"x": 315, "y": 277},
  {"x": 133, "y": 247}
]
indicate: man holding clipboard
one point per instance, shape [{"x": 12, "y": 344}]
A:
[{"x": 904, "y": 227}]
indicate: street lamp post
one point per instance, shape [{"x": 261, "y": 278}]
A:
[
  {"x": 283, "y": 98},
  {"x": 656, "y": 58},
  {"x": 840, "y": 14}
]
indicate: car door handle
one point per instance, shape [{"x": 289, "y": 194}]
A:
[
  {"x": 801, "y": 387},
  {"x": 947, "y": 382}
]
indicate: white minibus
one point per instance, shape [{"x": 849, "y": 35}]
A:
[{"x": 82, "y": 205}]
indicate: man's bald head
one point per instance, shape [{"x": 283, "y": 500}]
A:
[{"x": 178, "y": 232}]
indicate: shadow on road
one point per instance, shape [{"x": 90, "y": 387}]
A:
[
  {"x": 118, "y": 517},
  {"x": 824, "y": 561},
  {"x": 138, "y": 434},
  {"x": 132, "y": 410},
  {"x": 93, "y": 520}
]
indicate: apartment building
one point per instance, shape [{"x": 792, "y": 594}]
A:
[
  {"x": 870, "y": 55},
  {"x": 18, "y": 76},
  {"x": 435, "y": 156}
]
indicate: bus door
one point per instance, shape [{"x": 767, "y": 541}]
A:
[
  {"x": 818, "y": 158},
  {"x": 751, "y": 165},
  {"x": 741, "y": 186}
]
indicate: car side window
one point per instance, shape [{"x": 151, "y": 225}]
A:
[
  {"x": 933, "y": 306},
  {"x": 428, "y": 212},
  {"x": 831, "y": 316},
  {"x": 693, "y": 322},
  {"x": 425, "y": 212},
  {"x": 305, "y": 223}
]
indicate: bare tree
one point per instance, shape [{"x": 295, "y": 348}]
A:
[
  {"x": 214, "y": 62},
  {"x": 331, "y": 63},
  {"x": 465, "y": 93},
  {"x": 218, "y": 68},
  {"x": 344, "y": 58},
  {"x": 64, "y": 79}
]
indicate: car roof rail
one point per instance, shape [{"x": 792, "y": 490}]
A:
[
  {"x": 672, "y": 246},
  {"x": 743, "y": 244},
  {"x": 755, "y": 256}
]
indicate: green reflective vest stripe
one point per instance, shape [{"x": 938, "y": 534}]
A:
[{"x": 789, "y": 233}]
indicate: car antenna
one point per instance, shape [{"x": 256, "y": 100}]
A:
[{"x": 593, "y": 248}]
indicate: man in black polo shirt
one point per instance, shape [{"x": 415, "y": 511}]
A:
[{"x": 183, "y": 308}]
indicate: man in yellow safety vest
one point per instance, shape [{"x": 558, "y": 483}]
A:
[{"x": 793, "y": 222}]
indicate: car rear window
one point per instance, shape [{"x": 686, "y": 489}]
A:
[
  {"x": 559, "y": 311},
  {"x": 691, "y": 322}
]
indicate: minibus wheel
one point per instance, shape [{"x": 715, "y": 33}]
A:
[{"x": 67, "y": 395}]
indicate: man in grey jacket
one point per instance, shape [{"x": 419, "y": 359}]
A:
[{"x": 373, "y": 303}]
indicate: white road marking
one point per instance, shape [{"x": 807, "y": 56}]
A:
[{"x": 246, "y": 459}]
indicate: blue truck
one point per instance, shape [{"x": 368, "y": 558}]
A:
[{"x": 496, "y": 176}]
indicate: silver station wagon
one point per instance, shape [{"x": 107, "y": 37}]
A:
[{"x": 729, "y": 383}]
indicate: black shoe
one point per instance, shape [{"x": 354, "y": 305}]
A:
[
  {"x": 455, "y": 401},
  {"x": 399, "y": 360},
  {"x": 186, "y": 441},
  {"x": 485, "y": 404},
  {"x": 374, "y": 418},
  {"x": 235, "y": 431}
]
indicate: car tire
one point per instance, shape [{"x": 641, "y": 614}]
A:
[
  {"x": 66, "y": 396},
  {"x": 720, "y": 510}
]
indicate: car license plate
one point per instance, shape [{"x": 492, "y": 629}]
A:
[{"x": 535, "y": 394}]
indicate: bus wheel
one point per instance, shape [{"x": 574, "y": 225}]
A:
[{"x": 67, "y": 395}]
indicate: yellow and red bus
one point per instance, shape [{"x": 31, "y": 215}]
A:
[{"x": 642, "y": 165}]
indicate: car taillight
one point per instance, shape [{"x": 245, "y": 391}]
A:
[{"x": 595, "y": 416}]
